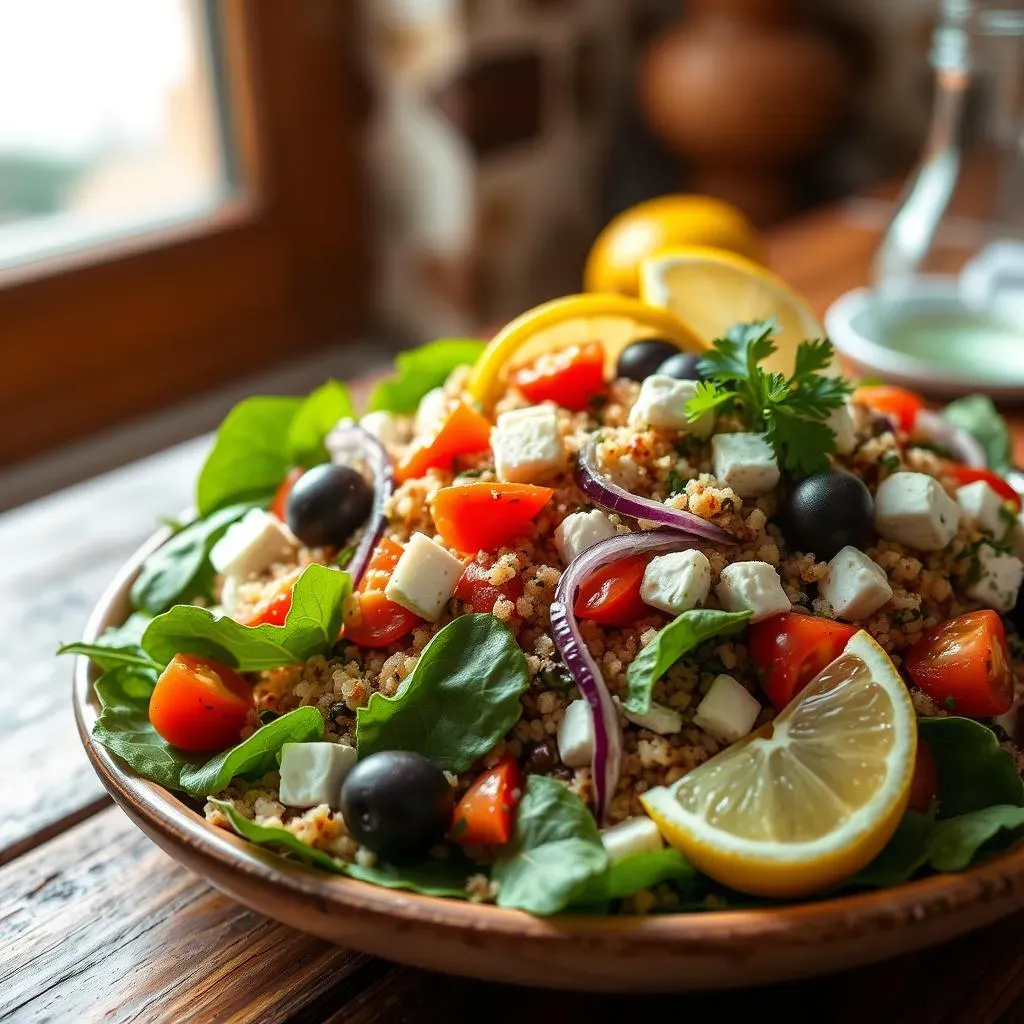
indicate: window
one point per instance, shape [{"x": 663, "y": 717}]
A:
[{"x": 179, "y": 202}]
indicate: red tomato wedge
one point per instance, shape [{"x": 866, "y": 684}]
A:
[
  {"x": 274, "y": 610},
  {"x": 964, "y": 666},
  {"x": 570, "y": 377},
  {"x": 280, "y": 500},
  {"x": 612, "y": 595},
  {"x": 485, "y": 517},
  {"x": 924, "y": 784},
  {"x": 480, "y": 594},
  {"x": 483, "y": 817},
  {"x": 463, "y": 432},
  {"x": 199, "y": 704},
  {"x": 972, "y": 474},
  {"x": 903, "y": 405},
  {"x": 791, "y": 649},
  {"x": 380, "y": 621}
]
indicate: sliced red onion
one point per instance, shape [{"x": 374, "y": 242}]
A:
[
  {"x": 613, "y": 498},
  {"x": 569, "y": 640},
  {"x": 934, "y": 427},
  {"x": 349, "y": 442}
]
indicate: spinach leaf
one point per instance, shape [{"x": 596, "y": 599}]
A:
[
  {"x": 431, "y": 877},
  {"x": 974, "y": 771},
  {"x": 634, "y": 874},
  {"x": 687, "y": 632},
  {"x": 556, "y": 852},
  {"x": 311, "y": 626},
  {"x": 419, "y": 370},
  {"x": 979, "y": 417},
  {"x": 173, "y": 571},
  {"x": 955, "y": 842},
  {"x": 250, "y": 455},
  {"x": 108, "y": 657},
  {"x": 904, "y": 855},
  {"x": 123, "y": 727},
  {"x": 129, "y": 632},
  {"x": 459, "y": 700},
  {"x": 315, "y": 419},
  {"x": 255, "y": 756}
]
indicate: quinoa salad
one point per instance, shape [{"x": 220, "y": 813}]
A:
[{"x": 604, "y": 624}]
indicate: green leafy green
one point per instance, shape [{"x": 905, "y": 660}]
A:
[
  {"x": 431, "y": 877},
  {"x": 637, "y": 873},
  {"x": 979, "y": 417},
  {"x": 974, "y": 771},
  {"x": 174, "y": 571},
  {"x": 904, "y": 855},
  {"x": 955, "y": 842},
  {"x": 108, "y": 656},
  {"x": 555, "y": 854},
  {"x": 314, "y": 420},
  {"x": 685, "y": 633},
  {"x": 311, "y": 626},
  {"x": 791, "y": 412},
  {"x": 419, "y": 370},
  {"x": 250, "y": 455},
  {"x": 459, "y": 700}
]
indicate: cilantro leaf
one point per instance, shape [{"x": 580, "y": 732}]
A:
[
  {"x": 708, "y": 398},
  {"x": 811, "y": 358}
]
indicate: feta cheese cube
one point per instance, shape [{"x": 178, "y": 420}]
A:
[
  {"x": 630, "y": 837},
  {"x": 581, "y": 530},
  {"x": 913, "y": 509},
  {"x": 983, "y": 506},
  {"x": 744, "y": 462},
  {"x": 840, "y": 422},
  {"x": 728, "y": 711},
  {"x": 527, "y": 445},
  {"x": 856, "y": 587},
  {"x": 424, "y": 578},
  {"x": 312, "y": 773},
  {"x": 662, "y": 404},
  {"x": 389, "y": 429},
  {"x": 576, "y": 735},
  {"x": 658, "y": 718},
  {"x": 999, "y": 581},
  {"x": 431, "y": 412},
  {"x": 677, "y": 582},
  {"x": 753, "y": 587},
  {"x": 252, "y": 545}
]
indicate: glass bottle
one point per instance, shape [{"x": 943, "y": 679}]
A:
[{"x": 949, "y": 274}]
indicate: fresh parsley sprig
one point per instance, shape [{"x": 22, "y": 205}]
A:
[{"x": 790, "y": 412}]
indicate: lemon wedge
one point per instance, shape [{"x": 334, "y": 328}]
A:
[
  {"x": 809, "y": 799},
  {"x": 712, "y": 289},
  {"x": 614, "y": 320}
]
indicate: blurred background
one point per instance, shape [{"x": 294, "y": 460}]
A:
[{"x": 193, "y": 193}]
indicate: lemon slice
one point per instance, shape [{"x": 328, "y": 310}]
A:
[
  {"x": 712, "y": 289},
  {"x": 812, "y": 797},
  {"x": 614, "y": 320}
]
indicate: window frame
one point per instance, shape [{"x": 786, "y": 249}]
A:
[{"x": 97, "y": 336}]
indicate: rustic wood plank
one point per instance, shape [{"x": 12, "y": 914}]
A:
[{"x": 99, "y": 923}]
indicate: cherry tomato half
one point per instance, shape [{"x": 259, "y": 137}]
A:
[
  {"x": 899, "y": 403},
  {"x": 380, "y": 622},
  {"x": 483, "y": 817},
  {"x": 971, "y": 474},
  {"x": 924, "y": 784},
  {"x": 280, "y": 501},
  {"x": 199, "y": 704},
  {"x": 791, "y": 649},
  {"x": 274, "y": 610},
  {"x": 480, "y": 594},
  {"x": 964, "y": 666},
  {"x": 570, "y": 377},
  {"x": 485, "y": 517},
  {"x": 612, "y": 595}
]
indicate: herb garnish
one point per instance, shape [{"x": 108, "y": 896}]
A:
[{"x": 790, "y": 412}]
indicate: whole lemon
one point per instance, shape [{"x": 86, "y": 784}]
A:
[{"x": 666, "y": 221}]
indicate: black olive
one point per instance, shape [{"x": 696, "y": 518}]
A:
[
  {"x": 681, "y": 366},
  {"x": 642, "y": 358},
  {"x": 327, "y": 504},
  {"x": 826, "y": 511},
  {"x": 397, "y": 804},
  {"x": 267, "y": 716},
  {"x": 339, "y": 709}
]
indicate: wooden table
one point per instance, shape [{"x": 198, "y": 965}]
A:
[{"x": 96, "y": 923}]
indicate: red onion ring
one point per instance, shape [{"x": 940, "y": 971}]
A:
[
  {"x": 613, "y": 498},
  {"x": 568, "y": 639},
  {"x": 350, "y": 441},
  {"x": 932, "y": 426}
]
